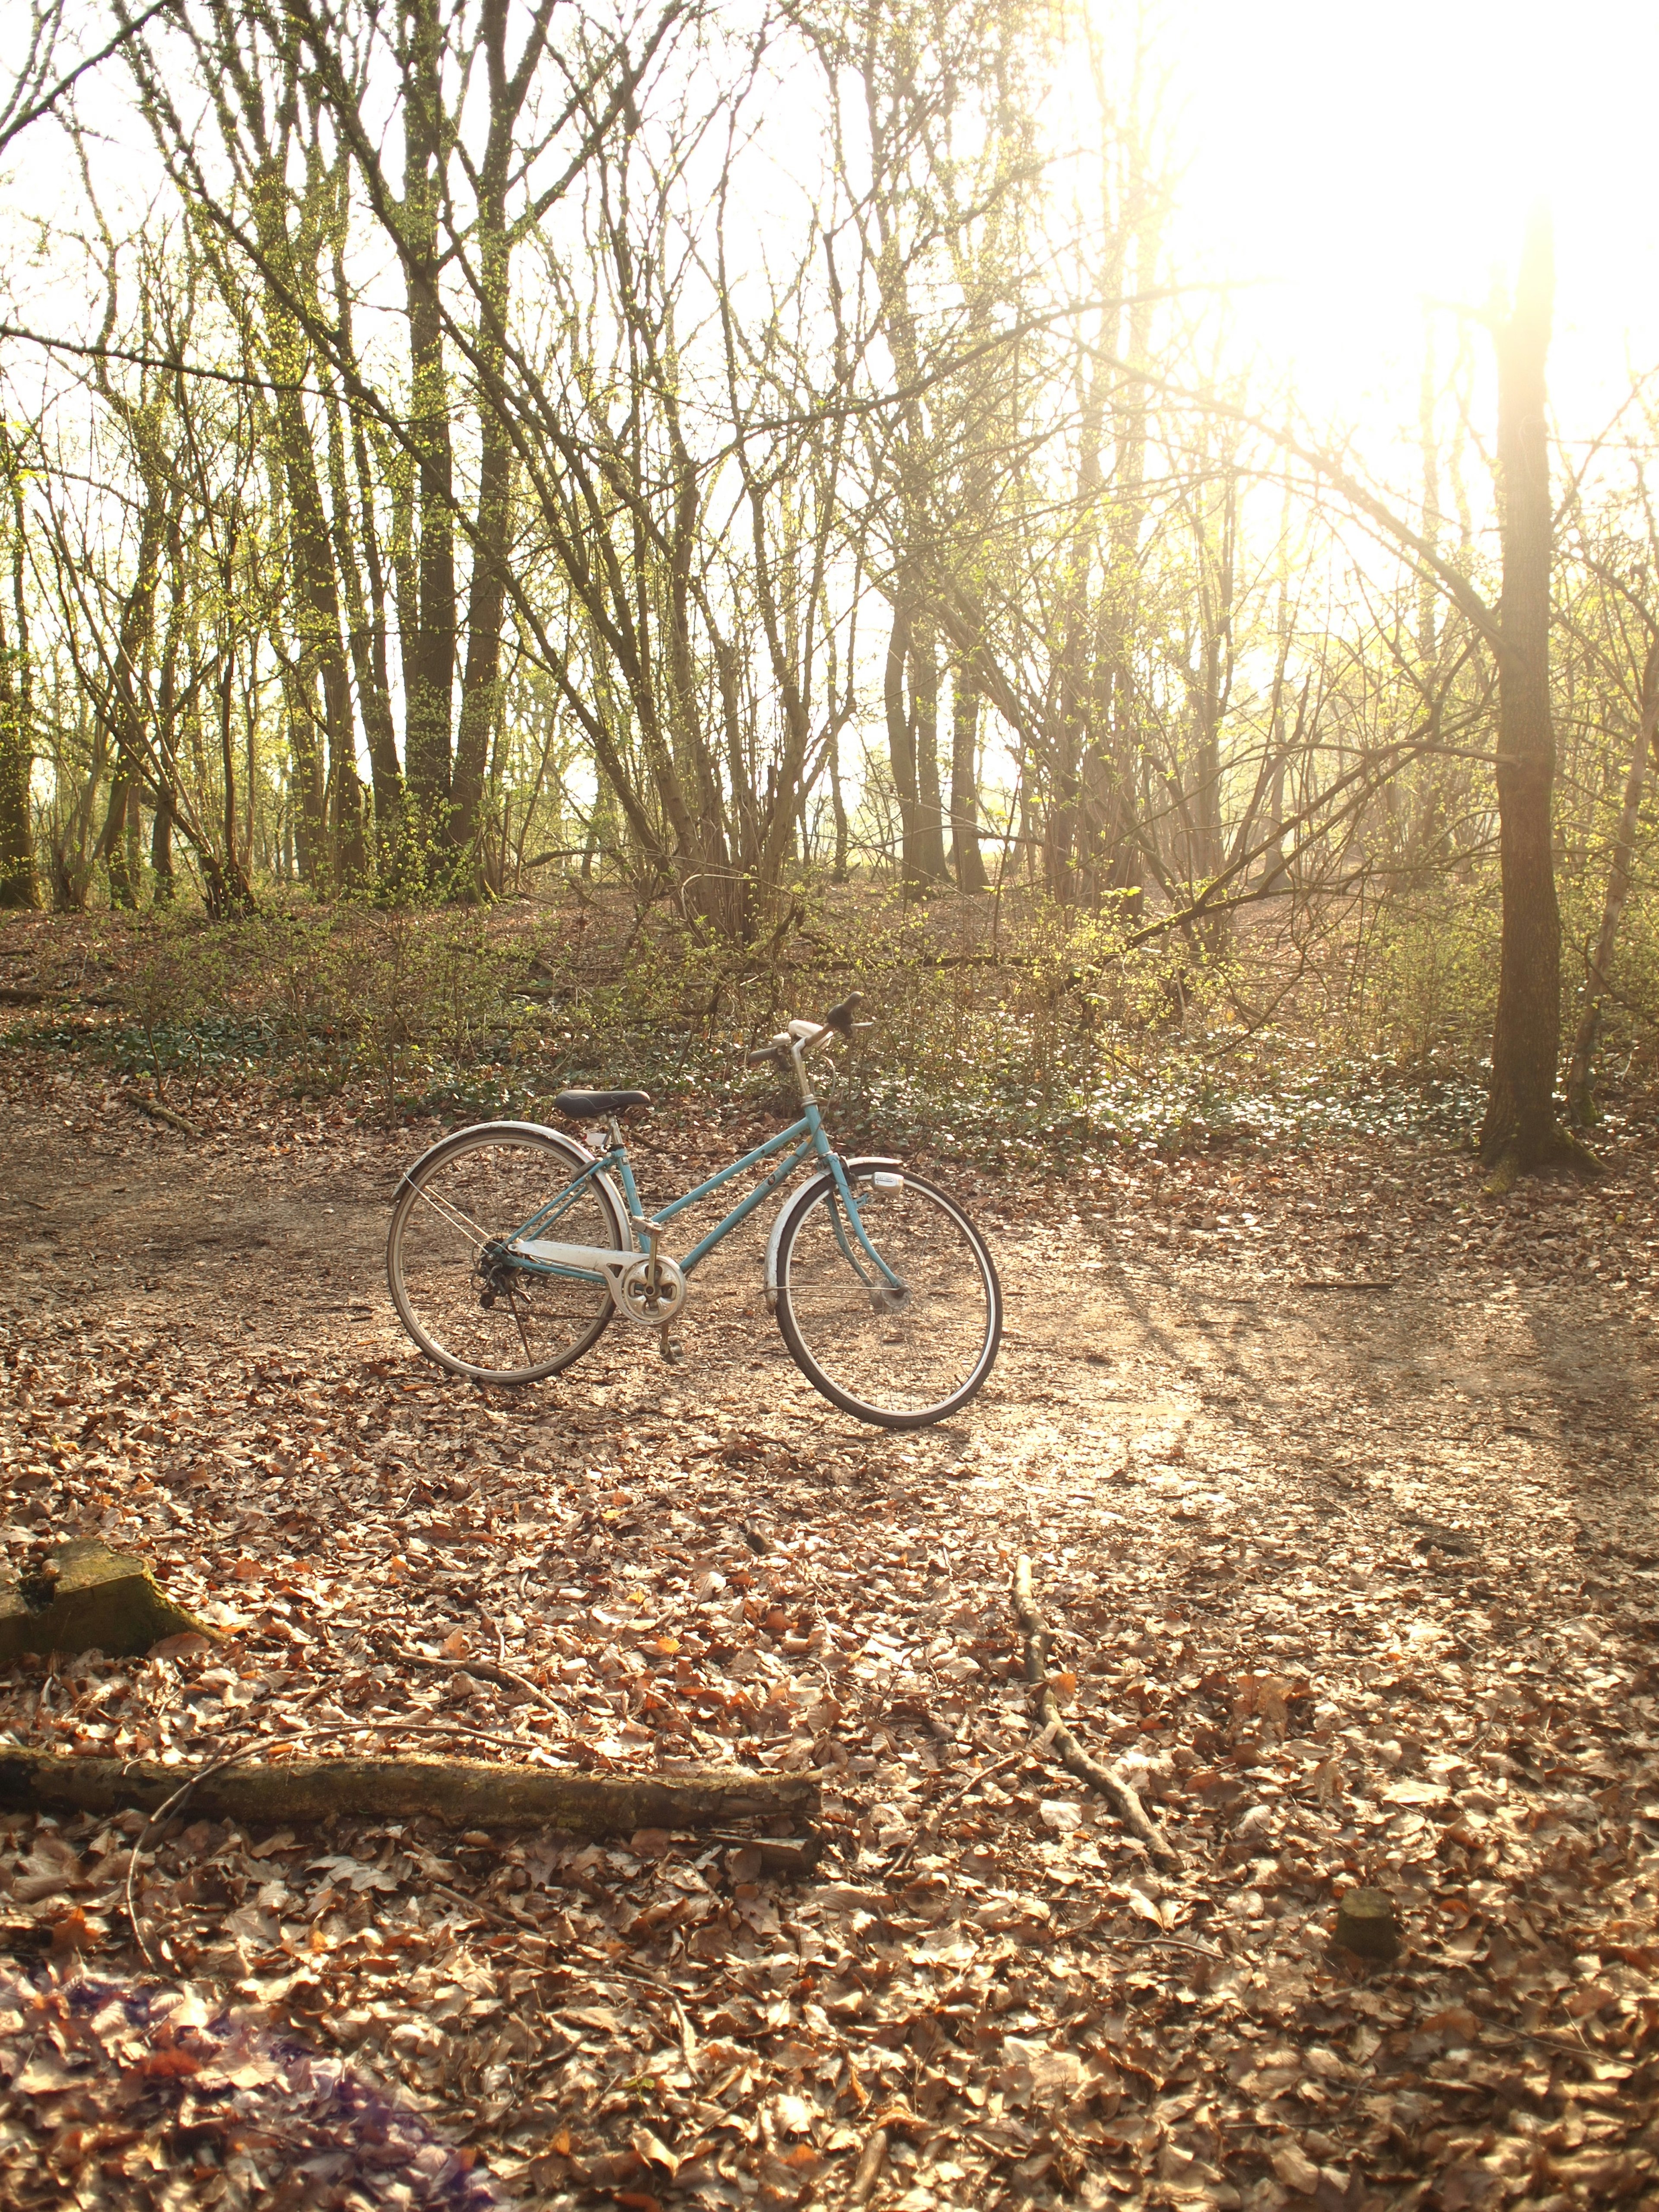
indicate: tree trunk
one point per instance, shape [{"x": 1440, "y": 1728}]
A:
[
  {"x": 486, "y": 603},
  {"x": 967, "y": 861},
  {"x": 901, "y": 743},
  {"x": 1581, "y": 1105},
  {"x": 365, "y": 641},
  {"x": 18, "y": 886},
  {"x": 113, "y": 843},
  {"x": 930, "y": 813},
  {"x": 161, "y": 848},
  {"x": 486, "y": 592},
  {"x": 429, "y": 667},
  {"x": 1521, "y": 1130},
  {"x": 837, "y": 804},
  {"x": 308, "y": 785}
]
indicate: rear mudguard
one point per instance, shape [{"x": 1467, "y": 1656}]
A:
[
  {"x": 578, "y": 1155},
  {"x": 848, "y": 1167}
]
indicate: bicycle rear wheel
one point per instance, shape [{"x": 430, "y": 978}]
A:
[
  {"x": 899, "y": 1358},
  {"x": 463, "y": 1303}
]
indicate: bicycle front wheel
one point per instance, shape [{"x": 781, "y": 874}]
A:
[
  {"x": 900, "y": 1355},
  {"x": 456, "y": 1291}
]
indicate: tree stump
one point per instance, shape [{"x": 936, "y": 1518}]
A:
[
  {"x": 89, "y": 1598},
  {"x": 1367, "y": 1924}
]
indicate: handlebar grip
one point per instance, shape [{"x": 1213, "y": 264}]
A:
[
  {"x": 766, "y": 1057},
  {"x": 840, "y": 1018}
]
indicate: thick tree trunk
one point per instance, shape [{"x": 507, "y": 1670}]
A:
[
  {"x": 114, "y": 844},
  {"x": 1521, "y": 1130},
  {"x": 307, "y": 784}
]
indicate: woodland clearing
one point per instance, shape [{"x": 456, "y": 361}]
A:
[{"x": 1338, "y": 1479}]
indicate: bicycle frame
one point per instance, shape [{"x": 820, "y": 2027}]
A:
[{"x": 534, "y": 1254}]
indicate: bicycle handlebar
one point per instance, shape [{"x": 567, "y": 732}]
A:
[{"x": 838, "y": 1021}]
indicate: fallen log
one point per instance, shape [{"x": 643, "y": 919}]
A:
[
  {"x": 467, "y": 1793},
  {"x": 1124, "y": 1800}
]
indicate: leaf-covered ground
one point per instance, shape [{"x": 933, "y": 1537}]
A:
[{"x": 1338, "y": 1482}]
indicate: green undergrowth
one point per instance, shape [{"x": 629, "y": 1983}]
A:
[{"x": 1002, "y": 1036}]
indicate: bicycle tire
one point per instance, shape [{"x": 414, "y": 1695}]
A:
[
  {"x": 903, "y": 1367},
  {"x": 493, "y": 1176}
]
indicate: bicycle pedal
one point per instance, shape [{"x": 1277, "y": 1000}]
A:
[{"x": 672, "y": 1348}]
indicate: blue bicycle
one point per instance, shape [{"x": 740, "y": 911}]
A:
[{"x": 512, "y": 1247}]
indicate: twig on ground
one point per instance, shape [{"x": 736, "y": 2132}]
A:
[
  {"x": 479, "y": 1910},
  {"x": 902, "y": 1854},
  {"x": 1118, "y": 1793},
  {"x": 485, "y": 1670},
  {"x": 1172, "y": 1943},
  {"x": 158, "y": 1112}
]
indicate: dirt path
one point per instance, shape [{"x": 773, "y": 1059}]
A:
[{"x": 1340, "y": 1481}]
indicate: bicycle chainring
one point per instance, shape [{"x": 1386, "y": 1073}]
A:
[{"x": 653, "y": 1305}]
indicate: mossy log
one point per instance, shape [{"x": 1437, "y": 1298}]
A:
[
  {"x": 1367, "y": 1924},
  {"x": 89, "y": 1598},
  {"x": 467, "y": 1793}
]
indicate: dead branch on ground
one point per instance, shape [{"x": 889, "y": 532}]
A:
[{"x": 1119, "y": 1794}]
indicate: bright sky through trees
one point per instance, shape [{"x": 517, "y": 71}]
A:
[{"x": 1359, "y": 159}]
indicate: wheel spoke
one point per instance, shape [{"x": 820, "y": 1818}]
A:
[{"x": 452, "y": 1214}]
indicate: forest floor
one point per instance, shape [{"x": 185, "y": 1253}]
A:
[{"x": 1339, "y": 1480}]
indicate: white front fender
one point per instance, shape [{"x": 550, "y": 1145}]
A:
[{"x": 864, "y": 1160}]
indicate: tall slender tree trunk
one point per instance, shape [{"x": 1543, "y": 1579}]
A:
[
  {"x": 837, "y": 804},
  {"x": 228, "y": 885},
  {"x": 901, "y": 743},
  {"x": 1521, "y": 1130},
  {"x": 429, "y": 665},
  {"x": 486, "y": 592},
  {"x": 481, "y": 686},
  {"x": 930, "y": 812},
  {"x": 1581, "y": 1103},
  {"x": 365, "y": 641},
  {"x": 966, "y": 860},
  {"x": 19, "y": 884}
]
